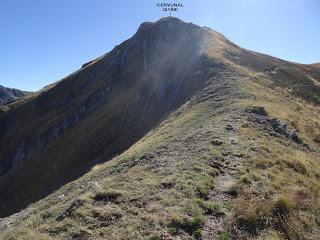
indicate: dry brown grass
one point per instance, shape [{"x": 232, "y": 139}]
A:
[{"x": 281, "y": 180}]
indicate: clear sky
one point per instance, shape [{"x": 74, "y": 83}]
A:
[{"x": 41, "y": 41}]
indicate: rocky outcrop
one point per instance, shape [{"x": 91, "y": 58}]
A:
[{"x": 274, "y": 126}]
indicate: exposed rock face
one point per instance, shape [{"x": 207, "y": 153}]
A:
[
  {"x": 274, "y": 125},
  {"x": 9, "y": 94}
]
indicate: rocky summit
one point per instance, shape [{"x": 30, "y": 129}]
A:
[{"x": 177, "y": 133}]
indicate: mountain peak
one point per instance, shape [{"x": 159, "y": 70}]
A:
[
  {"x": 171, "y": 29},
  {"x": 169, "y": 19},
  {"x": 166, "y": 24}
]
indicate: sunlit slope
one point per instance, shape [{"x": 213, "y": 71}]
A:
[{"x": 195, "y": 138}]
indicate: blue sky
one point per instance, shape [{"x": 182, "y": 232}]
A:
[{"x": 41, "y": 41}]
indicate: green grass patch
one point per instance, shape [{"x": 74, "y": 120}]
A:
[
  {"x": 205, "y": 186},
  {"x": 210, "y": 208},
  {"x": 224, "y": 236},
  {"x": 190, "y": 225}
]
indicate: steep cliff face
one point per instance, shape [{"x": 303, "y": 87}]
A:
[
  {"x": 9, "y": 94},
  {"x": 177, "y": 132}
]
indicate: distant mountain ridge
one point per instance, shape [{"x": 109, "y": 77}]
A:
[{"x": 10, "y": 94}]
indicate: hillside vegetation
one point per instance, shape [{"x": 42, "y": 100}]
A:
[{"x": 184, "y": 136}]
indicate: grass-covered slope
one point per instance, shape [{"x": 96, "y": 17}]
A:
[
  {"x": 99, "y": 111},
  {"x": 160, "y": 186},
  {"x": 236, "y": 158}
]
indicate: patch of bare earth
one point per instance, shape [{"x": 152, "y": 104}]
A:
[{"x": 223, "y": 193}]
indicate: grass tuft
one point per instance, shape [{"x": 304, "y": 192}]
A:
[
  {"x": 205, "y": 187},
  {"x": 210, "y": 207},
  {"x": 282, "y": 206},
  {"x": 107, "y": 196},
  {"x": 191, "y": 225},
  {"x": 224, "y": 236}
]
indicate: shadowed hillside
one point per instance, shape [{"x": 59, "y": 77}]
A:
[{"x": 177, "y": 133}]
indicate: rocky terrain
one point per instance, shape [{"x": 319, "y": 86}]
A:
[
  {"x": 10, "y": 94},
  {"x": 177, "y": 133}
]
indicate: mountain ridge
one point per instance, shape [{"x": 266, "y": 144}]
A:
[
  {"x": 56, "y": 100},
  {"x": 181, "y": 106},
  {"x": 10, "y": 94}
]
